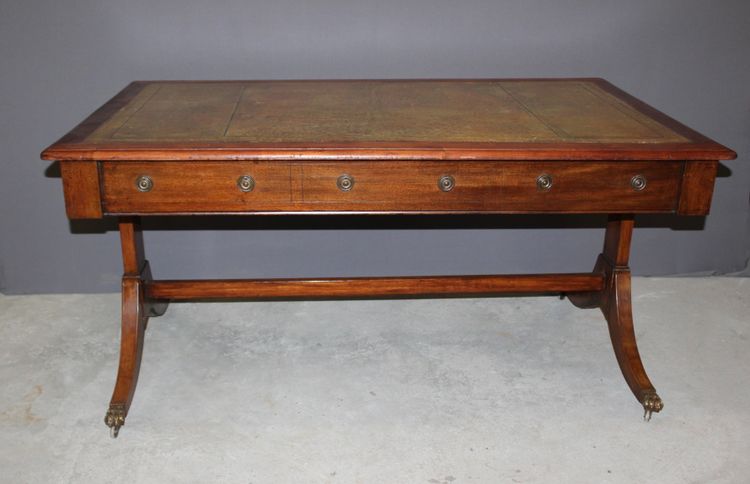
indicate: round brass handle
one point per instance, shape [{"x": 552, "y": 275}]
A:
[
  {"x": 144, "y": 183},
  {"x": 544, "y": 182},
  {"x": 638, "y": 182},
  {"x": 345, "y": 183},
  {"x": 245, "y": 183},
  {"x": 446, "y": 183}
]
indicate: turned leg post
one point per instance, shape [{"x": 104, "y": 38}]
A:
[
  {"x": 615, "y": 303},
  {"x": 135, "y": 313}
]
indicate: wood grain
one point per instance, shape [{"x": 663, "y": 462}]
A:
[
  {"x": 498, "y": 187},
  {"x": 372, "y": 286},
  {"x": 81, "y": 189},
  {"x": 390, "y": 187},
  {"x": 131, "y": 242},
  {"x": 697, "y": 188},
  {"x": 196, "y": 187}
]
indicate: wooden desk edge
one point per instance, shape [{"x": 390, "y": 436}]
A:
[{"x": 72, "y": 148}]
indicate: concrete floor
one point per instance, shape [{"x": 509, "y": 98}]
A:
[{"x": 410, "y": 391}]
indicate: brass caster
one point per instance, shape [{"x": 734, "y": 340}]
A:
[
  {"x": 115, "y": 418},
  {"x": 651, "y": 403}
]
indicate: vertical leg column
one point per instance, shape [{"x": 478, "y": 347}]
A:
[
  {"x": 614, "y": 301},
  {"x": 135, "y": 313}
]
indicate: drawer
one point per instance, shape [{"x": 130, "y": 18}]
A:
[
  {"x": 194, "y": 187},
  {"x": 502, "y": 186},
  {"x": 389, "y": 186}
]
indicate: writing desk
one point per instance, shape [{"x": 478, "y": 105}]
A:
[{"x": 516, "y": 146}]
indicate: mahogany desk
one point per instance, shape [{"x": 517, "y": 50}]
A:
[{"x": 383, "y": 147}]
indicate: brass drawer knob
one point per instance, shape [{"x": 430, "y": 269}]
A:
[
  {"x": 446, "y": 183},
  {"x": 246, "y": 183},
  {"x": 544, "y": 182},
  {"x": 345, "y": 183},
  {"x": 638, "y": 182},
  {"x": 144, "y": 183}
]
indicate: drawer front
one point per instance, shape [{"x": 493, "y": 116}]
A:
[
  {"x": 192, "y": 187},
  {"x": 509, "y": 187},
  {"x": 385, "y": 186}
]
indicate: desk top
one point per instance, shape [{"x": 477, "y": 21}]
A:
[{"x": 531, "y": 119}]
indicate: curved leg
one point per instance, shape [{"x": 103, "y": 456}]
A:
[
  {"x": 131, "y": 348},
  {"x": 617, "y": 309},
  {"x": 136, "y": 310},
  {"x": 615, "y": 302}
]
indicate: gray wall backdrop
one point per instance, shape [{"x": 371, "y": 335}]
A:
[{"x": 61, "y": 60}]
